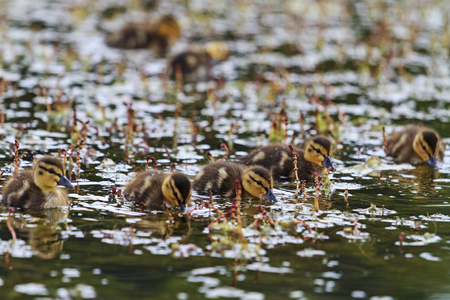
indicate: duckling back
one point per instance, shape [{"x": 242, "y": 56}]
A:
[
  {"x": 279, "y": 160},
  {"x": 146, "y": 188},
  {"x": 21, "y": 191},
  {"x": 219, "y": 178},
  {"x": 154, "y": 188}
]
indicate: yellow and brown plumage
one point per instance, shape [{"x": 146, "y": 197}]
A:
[
  {"x": 159, "y": 36},
  {"x": 195, "y": 64},
  {"x": 416, "y": 144},
  {"x": 279, "y": 159},
  {"x": 220, "y": 179},
  {"x": 153, "y": 188},
  {"x": 37, "y": 188}
]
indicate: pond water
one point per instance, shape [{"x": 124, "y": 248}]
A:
[{"x": 378, "y": 231}]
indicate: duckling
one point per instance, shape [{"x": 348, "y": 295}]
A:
[
  {"x": 279, "y": 160},
  {"x": 195, "y": 64},
  {"x": 160, "y": 36},
  {"x": 153, "y": 188},
  {"x": 416, "y": 144},
  {"x": 220, "y": 177},
  {"x": 37, "y": 188}
]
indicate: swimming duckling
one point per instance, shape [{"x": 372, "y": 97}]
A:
[
  {"x": 37, "y": 188},
  {"x": 159, "y": 36},
  {"x": 416, "y": 144},
  {"x": 153, "y": 188},
  {"x": 195, "y": 64},
  {"x": 279, "y": 160},
  {"x": 220, "y": 177}
]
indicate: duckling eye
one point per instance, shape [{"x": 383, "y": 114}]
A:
[
  {"x": 317, "y": 150},
  {"x": 51, "y": 171},
  {"x": 259, "y": 182},
  {"x": 424, "y": 148}
]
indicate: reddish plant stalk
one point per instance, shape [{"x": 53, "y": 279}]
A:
[
  {"x": 384, "y": 141},
  {"x": 16, "y": 154},
  {"x": 226, "y": 151},
  {"x": 167, "y": 151},
  {"x": 10, "y": 227},
  {"x": 155, "y": 164},
  {"x": 316, "y": 200},
  {"x": 148, "y": 160},
  {"x": 304, "y": 189},
  {"x": 238, "y": 201},
  {"x": 297, "y": 180},
  {"x": 166, "y": 208},
  {"x": 286, "y": 123}
]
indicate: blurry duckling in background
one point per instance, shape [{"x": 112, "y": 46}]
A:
[
  {"x": 196, "y": 63},
  {"x": 158, "y": 36},
  {"x": 416, "y": 144},
  {"x": 279, "y": 159},
  {"x": 153, "y": 188},
  {"x": 37, "y": 188},
  {"x": 220, "y": 177}
]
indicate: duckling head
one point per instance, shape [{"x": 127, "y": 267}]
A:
[
  {"x": 257, "y": 181},
  {"x": 318, "y": 151},
  {"x": 217, "y": 50},
  {"x": 176, "y": 189},
  {"x": 48, "y": 173},
  {"x": 168, "y": 27},
  {"x": 426, "y": 145}
]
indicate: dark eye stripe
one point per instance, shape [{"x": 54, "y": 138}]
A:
[
  {"x": 259, "y": 183},
  {"x": 425, "y": 149},
  {"x": 175, "y": 193},
  {"x": 51, "y": 171},
  {"x": 317, "y": 150}
]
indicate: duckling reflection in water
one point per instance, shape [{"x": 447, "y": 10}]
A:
[
  {"x": 159, "y": 36},
  {"x": 153, "y": 188},
  {"x": 37, "y": 188},
  {"x": 41, "y": 232},
  {"x": 220, "y": 177},
  {"x": 416, "y": 144},
  {"x": 158, "y": 225},
  {"x": 196, "y": 63},
  {"x": 279, "y": 159}
]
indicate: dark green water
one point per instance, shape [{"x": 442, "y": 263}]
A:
[{"x": 382, "y": 63}]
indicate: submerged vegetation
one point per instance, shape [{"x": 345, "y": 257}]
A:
[{"x": 353, "y": 71}]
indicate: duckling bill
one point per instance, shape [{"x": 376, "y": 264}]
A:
[
  {"x": 153, "y": 188},
  {"x": 220, "y": 177},
  {"x": 37, "y": 188},
  {"x": 279, "y": 159},
  {"x": 416, "y": 144}
]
